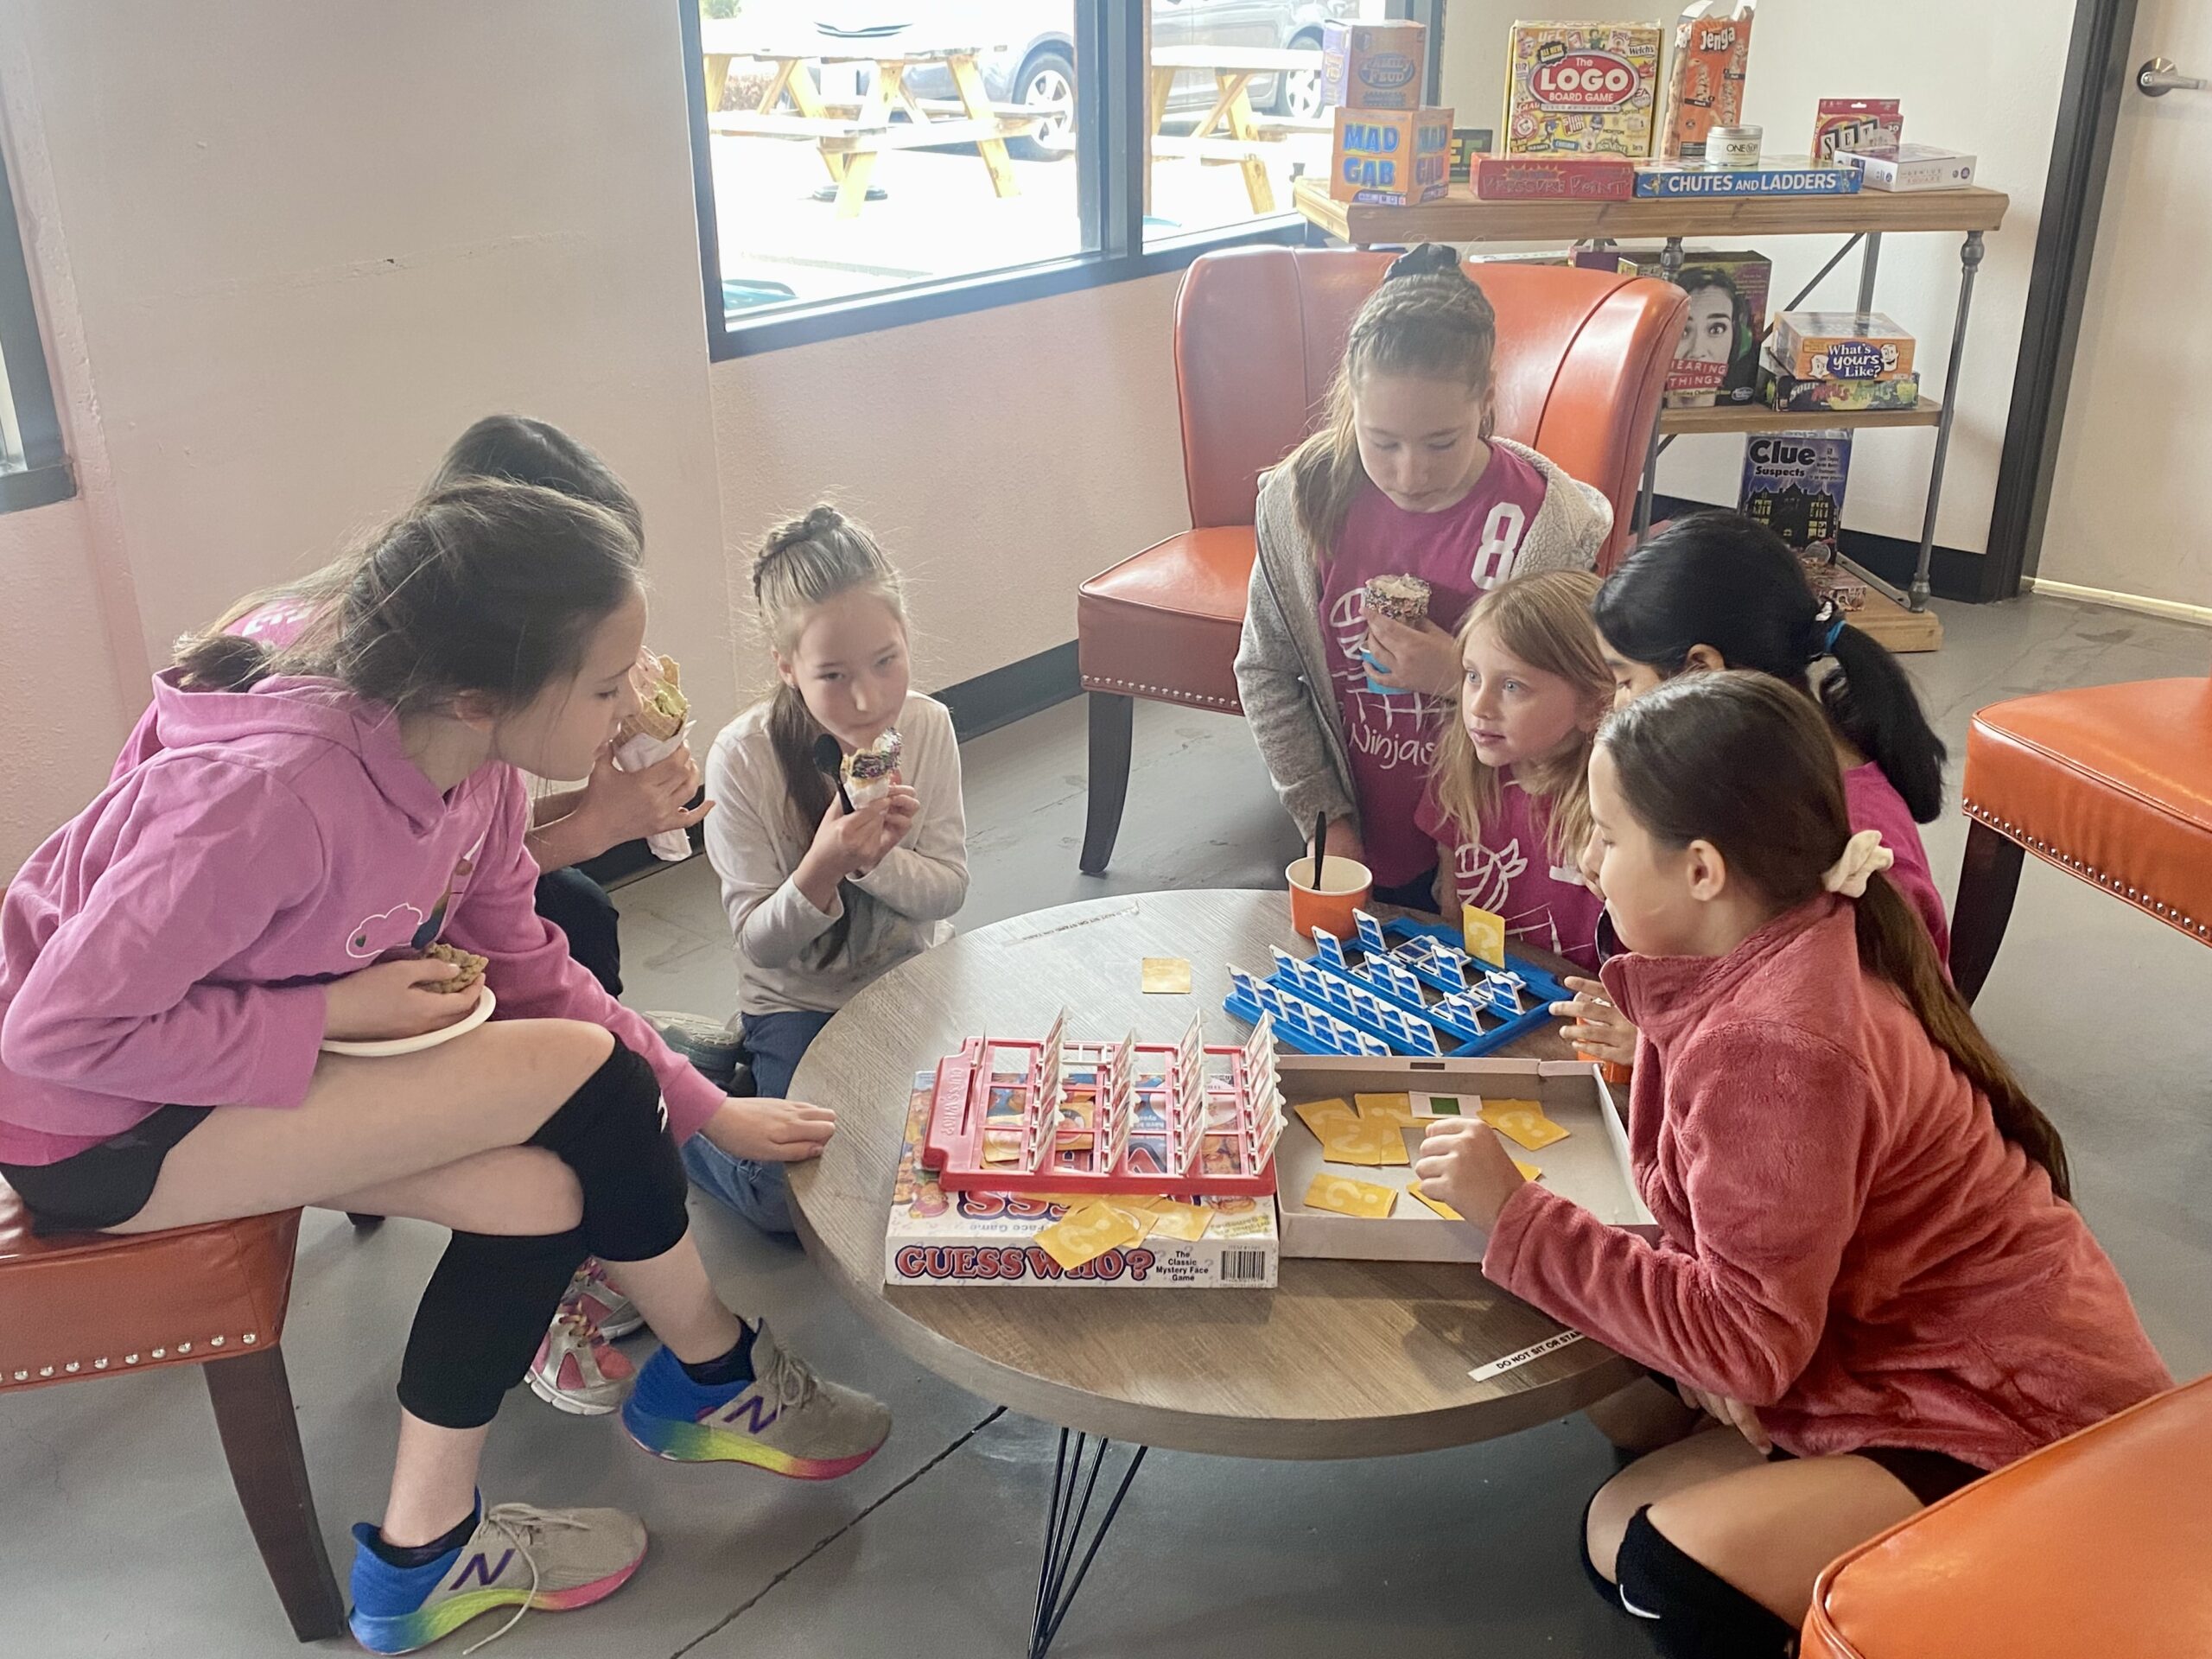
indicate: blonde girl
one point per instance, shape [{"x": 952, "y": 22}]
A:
[
  {"x": 822, "y": 900},
  {"x": 1405, "y": 478},
  {"x": 1508, "y": 809}
]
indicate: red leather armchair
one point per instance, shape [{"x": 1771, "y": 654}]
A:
[
  {"x": 1582, "y": 357},
  {"x": 2112, "y": 783},
  {"x": 2099, "y": 1545},
  {"x": 78, "y": 1306}
]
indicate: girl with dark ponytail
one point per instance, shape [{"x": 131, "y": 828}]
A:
[
  {"x": 1715, "y": 590},
  {"x": 1869, "y": 1282}
]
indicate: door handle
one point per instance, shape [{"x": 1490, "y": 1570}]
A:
[{"x": 2158, "y": 77}]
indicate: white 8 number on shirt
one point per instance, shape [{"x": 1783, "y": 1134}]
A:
[{"x": 1502, "y": 533}]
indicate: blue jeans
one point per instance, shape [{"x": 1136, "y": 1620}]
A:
[{"x": 757, "y": 1190}]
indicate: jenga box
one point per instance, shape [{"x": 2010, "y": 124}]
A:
[
  {"x": 1394, "y": 158},
  {"x": 1855, "y": 123},
  {"x": 1373, "y": 65},
  {"x": 1582, "y": 89},
  {"x": 1705, "y": 83}
]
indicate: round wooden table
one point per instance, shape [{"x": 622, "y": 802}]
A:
[{"x": 1344, "y": 1359}]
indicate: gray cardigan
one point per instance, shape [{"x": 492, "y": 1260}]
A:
[{"x": 1282, "y": 667}]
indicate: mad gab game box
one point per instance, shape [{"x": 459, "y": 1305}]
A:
[{"x": 1394, "y": 158}]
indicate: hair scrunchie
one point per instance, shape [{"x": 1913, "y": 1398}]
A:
[
  {"x": 1828, "y": 624},
  {"x": 1863, "y": 855},
  {"x": 1429, "y": 259}
]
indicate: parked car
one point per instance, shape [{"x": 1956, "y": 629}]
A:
[{"x": 1031, "y": 57}]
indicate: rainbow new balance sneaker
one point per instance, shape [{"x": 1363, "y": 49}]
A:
[
  {"x": 519, "y": 1556},
  {"x": 784, "y": 1420}
]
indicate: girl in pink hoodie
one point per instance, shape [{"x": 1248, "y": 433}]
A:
[
  {"x": 266, "y": 881},
  {"x": 1867, "y": 1268}
]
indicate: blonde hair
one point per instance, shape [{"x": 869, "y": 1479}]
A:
[
  {"x": 807, "y": 562},
  {"x": 1545, "y": 621},
  {"x": 1426, "y": 319}
]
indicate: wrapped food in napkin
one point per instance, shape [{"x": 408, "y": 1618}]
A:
[
  {"x": 653, "y": 733},
  {"x": 870, "y": 772}
]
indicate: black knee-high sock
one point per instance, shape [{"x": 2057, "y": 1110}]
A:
[
  {"x": 1694, "y": 1612},
  {"x": 610, "y": 1133},
  {"x": 480, "y": 1319}
]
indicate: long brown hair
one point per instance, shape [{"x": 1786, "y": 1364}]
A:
[
  {"x": 1426, "y": 319},
  {"x": 487, "y": 587},
  {"x": 806, "y": 562},
  {"x": 1743, "y": 761},
  {"x": 512, "y": 447},
  {"x": 1544, "y": 621}
]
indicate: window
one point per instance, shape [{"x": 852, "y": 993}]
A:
[
  {"x": 864, "y": 162},
  {"x": 32, "y": 469}
]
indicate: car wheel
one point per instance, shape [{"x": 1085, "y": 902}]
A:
[
  {"x": 1046, "y": 82},
  {"x": 1297, "y": 91}
]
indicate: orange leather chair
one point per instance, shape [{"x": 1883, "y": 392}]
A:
[
  {"x": 2100, "y": 1545},
  {"x": 2110, "y": 783},
  {"x": 1582, "y": 357},
  {"x": 77, "y": 1306}
]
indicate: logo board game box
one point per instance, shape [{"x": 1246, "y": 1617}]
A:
[
  {"x": 1794, "y": 485},
  {"x": 1717, "y": 360},
  {"x": 939, "y": 1237},
  {"x": 1582, "y": 89}
]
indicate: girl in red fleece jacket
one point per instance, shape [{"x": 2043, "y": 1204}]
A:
[{"x": 1867, "y": 1270}]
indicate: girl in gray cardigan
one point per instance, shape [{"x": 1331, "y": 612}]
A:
[{"x": 1404, "y": 478}]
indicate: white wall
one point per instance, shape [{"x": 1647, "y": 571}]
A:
[
  {"x": 1977, "y": 75},
  {"x": 2128, "y": 495}
]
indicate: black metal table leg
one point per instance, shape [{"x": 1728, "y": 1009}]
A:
[{"x": 1064, "y": 1522}]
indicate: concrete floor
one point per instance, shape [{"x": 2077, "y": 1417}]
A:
[{"x": 123, "y": 1536}]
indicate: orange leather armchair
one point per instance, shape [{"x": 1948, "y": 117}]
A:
[
  {"x": 1582, "y": 357},
  {"x": 77, "y": 1306},
  {"x": 2110, "y": 783},
  {"x": 2100, "y": 1545}
]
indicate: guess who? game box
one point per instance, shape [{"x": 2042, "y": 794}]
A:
[
  {"x": 937, "y": 1238},
  {"x": 1582, "y": 89}
]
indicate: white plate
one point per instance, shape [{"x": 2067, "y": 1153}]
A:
[{"x": 391, "y": 1045}]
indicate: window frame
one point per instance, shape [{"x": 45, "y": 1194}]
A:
[
  {"x": 46, "y": 476},
  {"x": 1110, "y": 194}
]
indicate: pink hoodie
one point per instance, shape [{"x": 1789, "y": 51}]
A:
[
  {"x": 170, "y": 943},
  {"x": 1846, "y": 1241}
]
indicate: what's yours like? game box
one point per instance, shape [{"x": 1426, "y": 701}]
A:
[{"x": 937, "y": 1238}]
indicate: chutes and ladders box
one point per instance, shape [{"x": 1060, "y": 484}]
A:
[
  {"x": 1344, "y": 1175},
  {"x": 939, "y": 1237}
]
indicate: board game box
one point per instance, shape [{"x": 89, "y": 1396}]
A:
[
  {"x": 1705, "y": 82},
  {"x": 1778, "y": 175},
  {"x": 1840, "y": 346},
  {"x": 936, "y": 1238},
  {"x": 1373, "y": 65},
  {"x": 1554, "y": 178},
  {"x": 1391, "y": 157},
  {"x": 1469, "y": 144},
  {"x": 1717, "y": 360},
  {"x": 1855, "y": 123},
  {"x": 1582, "y": 89},
  {"x": 1910, "y": 167},
  {"x": 1794, "y": 485},
  {"x": 1779, "y": 389},
  {"x": 1585, "y": 1156}
]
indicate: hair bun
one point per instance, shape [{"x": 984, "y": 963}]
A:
[
  {"x": 1429, "y": 259},
  {"x": 817, "y": 521}
]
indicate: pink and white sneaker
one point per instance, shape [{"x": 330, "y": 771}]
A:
[
  {"x": 595, "y": 1296},
  {"x": 577, "y": 1369}
]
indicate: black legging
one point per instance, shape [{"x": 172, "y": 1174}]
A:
[
  {"x": 579, "y": 907},
  {"x": 488, "y": 1303}
]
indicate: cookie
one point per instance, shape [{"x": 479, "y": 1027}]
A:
[{"x": 472, "y": 968}]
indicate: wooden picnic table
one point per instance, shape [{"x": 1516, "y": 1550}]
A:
[
  {"x": 849, "y": 135},
  {"x": 1242, "y": 133}
]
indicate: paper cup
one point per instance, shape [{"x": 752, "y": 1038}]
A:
[{"x": 1346, "y": 886}]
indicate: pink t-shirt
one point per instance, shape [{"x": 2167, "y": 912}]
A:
[
  {"x": 1507, "y": 868},
  {"x": 1874, "y": 803},
  {"x": 1461, "y": 553}
]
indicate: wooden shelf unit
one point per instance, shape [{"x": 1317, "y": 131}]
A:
[{"x": 1758, "y": 418}]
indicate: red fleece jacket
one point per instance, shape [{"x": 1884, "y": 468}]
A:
[{"x": 1846, "y": 1241}]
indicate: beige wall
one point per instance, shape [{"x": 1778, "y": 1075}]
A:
[
  {"x": 284, "y": 252},
  {"x": 1001, "y": 457},
  {"x": 1977, "y": 75},
  {"x": 2127, "y": 495}
]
